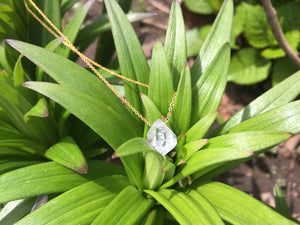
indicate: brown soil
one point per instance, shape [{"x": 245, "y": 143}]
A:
[{"x": 258, "y": 176}]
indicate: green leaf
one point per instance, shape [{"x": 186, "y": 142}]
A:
[
  {"x": 199, "y": 6},
  {"x": 250, "y": 140},
  {"x": 175, "y": 42},
  {"x": 13, "y": 158},
  {"x": 154, "y": 217},
  {"x": 15, "y": 97},
  {"x": 19, "y": 78},
  {"x": 200, "y": 128},
  {"x": 195, "y": 38},
  {"x": 48, "y": 178},
  {"x": 39, "y": 110},
  {"x": 134, "y": 146},
  {"x": 254, "y": 141},
  {"x": 181, "y": 114},
  {"x": 134, "y": 162},
  {"x": 219, "y": 35},
  {"x": 279, "y": 95},
  {"x": 6, "y": 61},
  {"x": 187, "y": 209},
  {"x": 131, "y": 157},
  {"x": 131, "y": 57},
  {"x": 284, "y": 118},
  {"x": 56, "y": 66},
  {"x": 73, "y": 27},
  {"x": 248, "y": 67},
  {"x": 153, "y": 172},
  {"x": 129, "y": 207},
  {"x": 292, "y": 37},
  {"x": 257, "y": 29},
  {"x": 9, "y": 163},
  {"x": 237, "y": 207},
  {"x": 80, "y": 205},
  {"x": 280, "y": 202},
  {"x": 189, "y": 149},
  {"x": 24, "y": 144},
  {"x": 161, "y": 89},
  {"x": 15, "y": 210},
  {"x": 152, "y": 113},
  {"x": 67, "y": 153},
  {"x": 207, "y": 160},
  {"x": 99, "y": 116},
  {"x": 208, "y": 91},
  {"x": 15, "y": 115},
  {"x": 19, "y": 75},
  {"x": 7, "y": 131},
  {"x": 52, "y": 11},
  {"x": 282, "y": 69}
]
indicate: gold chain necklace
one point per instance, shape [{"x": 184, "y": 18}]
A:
[{"x": 90, "y": 63}]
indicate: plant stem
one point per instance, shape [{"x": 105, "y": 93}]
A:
[{"x": 277, "y": 31}]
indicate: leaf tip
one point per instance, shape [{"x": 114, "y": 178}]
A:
[
  {"x": 25, "y": 84},
  {"x": 181, "y": 161},
  {"x": 173, "y": 153},
  {"x": 84, "y": 168},
  {"x": 9, "y": 41},
  {"x": 291, "y": 134},
  {"x": 250, "y": 153},
  {"x": 114, "y": 156}
]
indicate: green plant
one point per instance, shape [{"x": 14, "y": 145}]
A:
[
  {"x": 261, "y": 56},
  {"x": 151, "y": 188}
]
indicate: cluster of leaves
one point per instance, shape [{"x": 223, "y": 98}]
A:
[
  {"x": 261, "y": 56},
  {"x": 149, "y": 188}
]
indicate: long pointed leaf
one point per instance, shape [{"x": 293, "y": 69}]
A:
[
  {"x": 52, "y": 10},
  {"x": 200, "y": 128},
  {"x": 237, "y": 207},
  {"x": 48, "y": 178},
  {"x": 277, "y": 96},
  {"x": 152, "y": 113},
  {"x": 207, "y": 160},
  {"x": 175, "y": 43},
  {"x": 161, "y": 88},
  {"x": 219, "y": 35},
  {"x": 208, "y": 91},
  {"x": 74, "y": 25},
  {"x": 130, "y": 54},
  {"x": 181, "y": 115},
  {"x": 129, "y": 207},
  {"x": 79, "y": 79},
  {"x": 285, "y": 118},
  {"x": 187, "y": 209},
  {"x": 80, "y": 205},
  {"x": 254, "y": 141},
  {"x": 99, "y": 116},
  {"x": 67, "y": 153}
]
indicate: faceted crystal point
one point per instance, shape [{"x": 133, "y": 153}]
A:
[{"x": 161, "y": 137}]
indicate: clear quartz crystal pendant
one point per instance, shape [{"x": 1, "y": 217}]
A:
[{"x": 161, "y": 137}]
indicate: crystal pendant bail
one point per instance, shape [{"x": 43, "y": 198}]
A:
[{"x": 161, "y": 137}]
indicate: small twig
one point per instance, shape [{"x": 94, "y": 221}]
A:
[{"x": 276, "y": 29}]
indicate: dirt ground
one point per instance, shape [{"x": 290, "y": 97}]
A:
[{"x": 257, "y": 177}]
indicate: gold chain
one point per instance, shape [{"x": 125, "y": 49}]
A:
[{"x": 90, "y": 62}]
